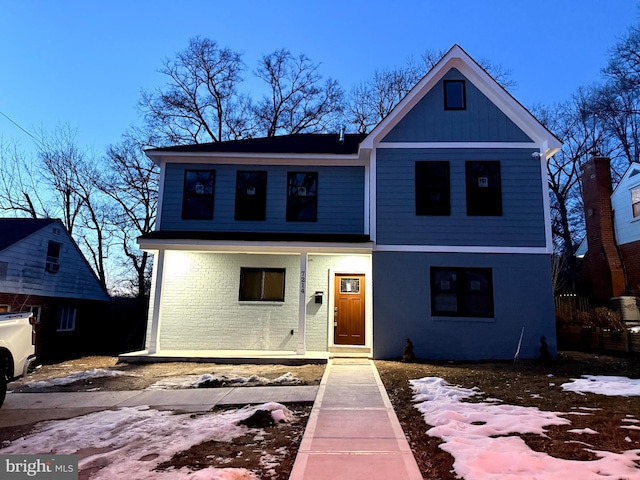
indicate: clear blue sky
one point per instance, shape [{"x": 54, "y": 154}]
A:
[{"x": 84, "y": 62}]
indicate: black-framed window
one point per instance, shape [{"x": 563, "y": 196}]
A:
[
  {"x": 433, "y": 190},
  {"x": 251, "y": 195},
  {"x": 484, "y": 189},
  {"x": 262, "y": 284},
  {"x": 197, "y": 196},
  {"x": 455, "y": 95},
  {"x": 302, "y": 196},
  {"x": 52, "y": 264},
  {"x": 462, "y": 292}
]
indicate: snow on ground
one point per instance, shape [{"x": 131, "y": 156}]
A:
[
  {"x": 175, "y": 382},
  {"x": 221, "y": 380},
  {"x": 130, "y": 442},
  {"x": 483, "y": 438},
  {"x": 75, "y": 377},
  {"x": 603, "y": 385}
]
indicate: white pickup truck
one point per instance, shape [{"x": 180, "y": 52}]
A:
[{"x": 17, "y": 347}]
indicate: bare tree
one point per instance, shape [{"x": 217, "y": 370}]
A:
[
  {"x": 60, "y": 160},
  {"x": 197, "y": 104},
  {"x": 582, "y": 134},
  {"x": 19, "y": 193},
  {"x": 131, "y": 181},
  {"x": 298, "y": 100},
  {"x": 371, "y": 101}
]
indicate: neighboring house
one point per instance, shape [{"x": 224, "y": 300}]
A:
[
  {"x": 434, "y": 227},
  {"x": 42, "y": 270},
  {"x": 610, "y": 253}
]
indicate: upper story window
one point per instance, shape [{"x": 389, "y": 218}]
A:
[
  {"x": 53, "y": 257},
  {"x": 251, "y": 195},
  {"x": 484, "y": 190},
  {"x": 262, "y": 284},
  {"x": 302, "y": 196},
  {"x": 433, "y": 192},
  {"x": 197, "y": 196},
  {"x": 462, "y": 292},
  {"x": 455, "y": 96},
  {"x": 635, "y": 201}
]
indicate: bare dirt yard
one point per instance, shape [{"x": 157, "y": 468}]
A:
[{"x": 527, "y": 383}]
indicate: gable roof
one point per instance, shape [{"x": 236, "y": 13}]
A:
[
  {"x": 632, "y": 170},
  {"x": 15, "y": 229},
  {"x": 457, "y": 58}
]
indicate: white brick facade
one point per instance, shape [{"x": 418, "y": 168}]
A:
[{"x": 201, "y": 309}]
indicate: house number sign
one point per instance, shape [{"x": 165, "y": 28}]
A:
[{"x": 303, "y": 280}]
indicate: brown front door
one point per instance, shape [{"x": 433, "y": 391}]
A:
[{"x": 349, "y": 310}]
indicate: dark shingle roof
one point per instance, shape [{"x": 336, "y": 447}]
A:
[
  {"x": 13, "y": 230},
  {"x": 256, "y": 236},
  {"x": 298, "y": 143}
]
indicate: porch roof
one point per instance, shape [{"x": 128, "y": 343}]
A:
[{"x": 255, "y": 241}]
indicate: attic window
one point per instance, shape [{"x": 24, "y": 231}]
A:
[
  {"x": 635, "y": 201},
  {"x": 53, "y": 257},
  {"x": 455, "y": 97}
]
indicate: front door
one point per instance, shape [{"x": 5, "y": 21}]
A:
[{"x": 349, "y": 310}]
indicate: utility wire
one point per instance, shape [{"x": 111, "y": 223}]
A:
[{"x": 23, "y": 129}]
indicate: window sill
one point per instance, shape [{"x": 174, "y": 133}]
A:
[{"x": 463, "y": 319}]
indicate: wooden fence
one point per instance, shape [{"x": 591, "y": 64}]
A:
[{"x": 598, "y": 339}]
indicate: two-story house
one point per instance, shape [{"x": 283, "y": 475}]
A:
[
  {"x": 434, "y": 227},
  {"x": 42, "y": 270}
]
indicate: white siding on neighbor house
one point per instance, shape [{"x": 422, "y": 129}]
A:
[
  {"x": 627, "y": 227},
  {"x": 201, "y": 309},
  {"x": 26, "y": 272}
]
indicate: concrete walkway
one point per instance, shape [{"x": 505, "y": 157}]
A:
[{"x": 353, "y": 432}]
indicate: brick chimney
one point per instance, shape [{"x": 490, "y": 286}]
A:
[{"x": 601, "y": 267}]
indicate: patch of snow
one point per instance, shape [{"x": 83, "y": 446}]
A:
[
  {"x": 604, "y": 385},
  {"x": 126, "y": 436},
  {"x": 630, "y": 427},
  {"x": 75, "y": 377},
  {"x": 535, "y": 395},
  {"x": 590, "y": 409},
  {"x": 630, "y": 420},
  {"x": 221, "y": 380},
  {"x": 588, "y": 431},
  {"x": 483, "y": 440}
]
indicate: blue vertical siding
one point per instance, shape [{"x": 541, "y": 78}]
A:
[
  {"x": 340, "y": 200},
  {"x": 482, "y": 121},
  {"x": 521, "y": 224},
  {"x": 402, "y": 307}
]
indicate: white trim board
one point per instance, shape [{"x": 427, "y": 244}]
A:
[{"x": 460, "y": 249}]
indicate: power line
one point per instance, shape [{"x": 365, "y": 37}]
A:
[{"x": 20, "y": 127}]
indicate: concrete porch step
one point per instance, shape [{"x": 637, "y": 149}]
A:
[{"x": 350, "y": 351}]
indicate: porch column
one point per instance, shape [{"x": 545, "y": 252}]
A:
[
  {"x": 154, "y": 338},
  {"x": 302, "y": 302}
]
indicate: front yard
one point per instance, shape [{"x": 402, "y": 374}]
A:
[{"x": 577, "y": 427}]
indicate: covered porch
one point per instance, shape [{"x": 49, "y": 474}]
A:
[{"x": 197, "y": 311}]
